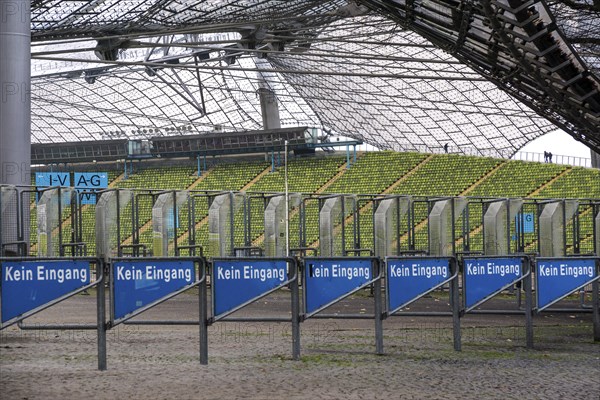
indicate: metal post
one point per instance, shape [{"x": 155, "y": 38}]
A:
[
  {"x": 527, "y": 281},
  {"x": 199, "y": 167},
  {"x": 295, "y": 312},
  {"x": 343, "y": 199},
  {"x": 378, "y": 310},
  {"x": 101, "y": 315},
  {"x": 287, "y": 203},
  {"x": 273, "y": 160},
  {"x": 347, "y": 156},
  {"x": 231, "y": 224},
  {"x": 60, "y": 247},
  {"x": 455, "y": 308},
  {"x": 203, "y": 316},
  {"x": 596, "y": 310}
]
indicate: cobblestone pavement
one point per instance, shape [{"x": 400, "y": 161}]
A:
[{"x": 253, "y": 360}]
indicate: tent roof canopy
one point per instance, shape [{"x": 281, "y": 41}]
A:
[{"x": 484, "y": 77}]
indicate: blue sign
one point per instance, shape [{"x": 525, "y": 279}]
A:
[
  {"x": 328, "y": 280},
  {"x": 239, "y": 282},
  {"x": 27, "y": 285},
  {"x": 88, "y": 182},
  {"x": 46, "y": 179},
  {"x": 525, "y": 221},
  {"x": 139, "y": 283},
  {"x": 557, "y": 278},
  {"x": 484, "y": 277},
  {"x": 172, "y": 222},
  {"x": 410, "y": 278}
]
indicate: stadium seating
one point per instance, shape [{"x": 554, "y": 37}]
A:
[
  {"x": 376, "y": 171},
  {"x": 579, "y": 183},
  {"x": 418, "y": 175},
  {"x": 517, "y": 179},
  {"x": 223, "y": 177},
  {"x": 446, "y": 175},
  {"x": 305, "y": 175}
]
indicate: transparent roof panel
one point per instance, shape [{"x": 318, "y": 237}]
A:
[{"x": 399, "y": 75}]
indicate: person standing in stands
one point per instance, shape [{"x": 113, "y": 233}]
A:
[
  {"x": 549, "y": 157},
  {"x": 545, "y": 156}
]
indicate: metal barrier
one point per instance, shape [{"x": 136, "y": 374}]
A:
[
  {"x": 239, "y": 282},
  {"x": 408, "y": 228},
  {"x": 328, "y": 280},
  {"x": 408, "y": 279},
  {"x": 486, "y": 277},
  {"x": 386, "y": 224},
  {"x": 29, "y": 286},
  {"x": 557, "y": 278},
  {"x": 139, "y": 284}
]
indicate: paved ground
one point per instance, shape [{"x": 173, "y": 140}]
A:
[{"x": 253, "y": 360}]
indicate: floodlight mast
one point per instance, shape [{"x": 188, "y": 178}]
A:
[{"x": 287, "y": 202}]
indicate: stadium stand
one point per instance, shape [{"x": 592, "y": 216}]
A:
[
  {"x": 416, "y": 174},
  {"x": 376, "y": 171}
]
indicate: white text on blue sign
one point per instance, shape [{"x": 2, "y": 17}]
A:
[
  {"x": 566, "y": 270},
  {"x": 41, "y": 273},
  {"x": 151, "y": 272},
  {"x": 339, "y": 271},
  {"x": 491, "y": 268},
  {"x": 416, "y": 269},
  {"x": 248, "y": 272}
]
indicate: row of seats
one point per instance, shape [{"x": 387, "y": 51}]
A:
[
  {"x": 374, "y": 172},
  {"x": 446, "y": 175}
]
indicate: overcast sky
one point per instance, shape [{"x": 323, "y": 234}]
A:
[{"x": 558, "y": 143}]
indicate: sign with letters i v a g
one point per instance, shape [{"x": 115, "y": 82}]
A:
[
  {"x": 47, "y": 179},
  {"x": 557, "y": 278},
  {"x": 87, "y": 183},
  {"x": 328, "y": 280},
  {"x": 239, "y": 282},
  {"x": 410, "y": 278},
  {"x": 137, "y": 284},
  {"x": 485, "y": 277},
  {"x": 27, "y": 285}
]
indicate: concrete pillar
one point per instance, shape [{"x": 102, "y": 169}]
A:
[
  {"x": 595, "y": 159},
  {"x": 275, "y": 233},
  {"x": 441, "y": 225},
  {"x": 553, "y": 220},
  {"x": 15, "y": 105},
  {"x": 388, "y": 216},
  {"x": 331, "y": 216},
  {"x": 269, "y": 109},
  {"x": 496, "y": 224},
  {"x": 597, "y": 233},
  {"x": 268, "y": 99}
]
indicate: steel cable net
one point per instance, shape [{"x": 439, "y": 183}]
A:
[
  {"x": 416, "y": 97},
  {"x": 52, "y": 19},
  {"x": 129, "y": 104},
  {"x": 329, "y": 67},
  {"x": 580, "y": 22},
  {"x": 528, "y": 47}
]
